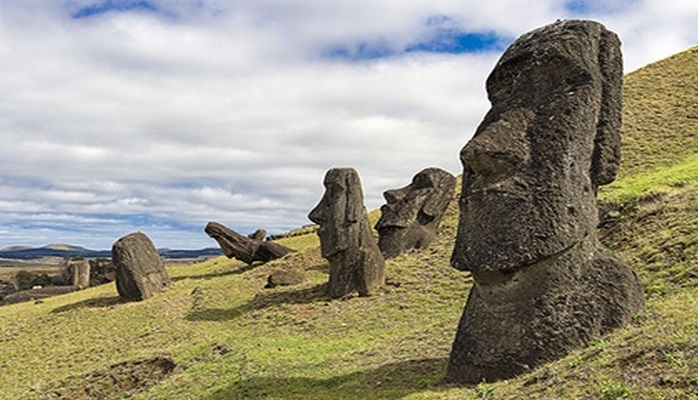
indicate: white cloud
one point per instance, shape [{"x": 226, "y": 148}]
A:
[{"x": 231, "y": 111}]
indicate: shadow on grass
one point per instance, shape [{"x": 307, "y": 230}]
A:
[
  {"x": 219, "y": 274},
  {"x": 263, "y": 300},
  {"x": 388, "y": 382},
  {"x": 99, "y": 302}
]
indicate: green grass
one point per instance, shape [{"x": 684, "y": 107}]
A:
[
  {"x": 660, "y": 114},
  {"x": 232, "y": 339},
  {"x": 662, "y": 180}
]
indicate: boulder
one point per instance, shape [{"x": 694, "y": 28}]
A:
[
  {"x": 140, "y": 273},
  {"x": 285, "y": 277}
]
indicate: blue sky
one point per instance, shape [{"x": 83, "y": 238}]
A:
[
  {"x": 160, "y": 116},
  {"x": 99, "y": 8}
]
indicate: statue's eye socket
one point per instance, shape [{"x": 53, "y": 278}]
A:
[
  {"x": 335, "y": 187},
  {"x": 422, "y": 182}
]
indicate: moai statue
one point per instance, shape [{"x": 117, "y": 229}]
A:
[
  {"x": 247, "y": 249},
  {"x": 346, "y": 239},
  {"x": 259, "y": 234},
  {"x": 140, "y": 272},
  {"x": 77, "y": 272},
  {"x": 412, "y": 214},
  {"x": 543, "y": 284}
]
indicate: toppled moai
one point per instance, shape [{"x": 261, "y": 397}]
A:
[
  {"x": 346, "y": 238},
  {"x": 247, "y": 249},
  {"x": 140, "y": 272},
  {"x": 259, "y": 234},
  {"x": 412, "y": 214},
  {"x": 543, "y": 284}
]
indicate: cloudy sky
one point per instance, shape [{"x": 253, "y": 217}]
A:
[{"x": 162, "y": 115}]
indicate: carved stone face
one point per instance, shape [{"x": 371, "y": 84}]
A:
[
  {"x": 531, "y": 171},
  {"x": 339, "y": 211},
  {"x": 412, "y": 213}
]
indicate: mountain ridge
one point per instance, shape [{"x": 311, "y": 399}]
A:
[{"x": 64, "y": 250}]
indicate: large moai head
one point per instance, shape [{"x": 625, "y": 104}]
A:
[
  {"x": 339, "y": 211},
  {"x": 543, "y": 284},
  {"x": 412, "y": 214},
  {"x": 551, "y": 137}
]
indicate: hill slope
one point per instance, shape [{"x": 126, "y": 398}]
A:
[
  {"x": 660, "y": 116},
  {"x": 231, "y": 339}
]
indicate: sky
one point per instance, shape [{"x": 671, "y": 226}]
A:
[{"x": 158, "y": 116}]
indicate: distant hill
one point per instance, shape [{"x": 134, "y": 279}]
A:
[
  {"x": 207, "y": 252},
  {"x": 65, "y": 250},
  {"x": 15, "y": 248}
]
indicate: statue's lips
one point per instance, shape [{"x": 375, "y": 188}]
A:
[
  {"x": 391, "y": 220},
  {"x": 388, "y": 226}
]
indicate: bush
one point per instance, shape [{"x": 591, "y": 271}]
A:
[
  {"x": 24, "y": 280},
  {"x": 101, "y": 271}
]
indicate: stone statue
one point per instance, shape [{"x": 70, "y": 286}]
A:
[
  {"x": 247, "y": 249},
  {"x": 76, "y": 272},
  {"x": 544, "y": 285},
  {"x": 259, "y": 234},
  {"x": 140, "y": 272},
  {"x": 346, "y": 239},
  {"x": 413, "y": 213}
]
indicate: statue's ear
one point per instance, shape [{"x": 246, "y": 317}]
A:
[
  {"x": 442, "y": 194},
  {"x": 606, "y": 157},
  {"x": 355, "y": 201}
]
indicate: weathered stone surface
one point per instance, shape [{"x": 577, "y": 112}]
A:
[
  {"x": 77, "y": 272},
  {"x": 413, "y": 213},
  {"x": 259, "y": 234},
  {"x": 247, "y": 249},
  {"x": 140, "y": 272},
  {"x": 285, "y": 277},
  {"x": 544, "y": 285},
  {"x": 346, "y": 239}
]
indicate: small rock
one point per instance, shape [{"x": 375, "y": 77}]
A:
[{"x": 285, "y": 277}]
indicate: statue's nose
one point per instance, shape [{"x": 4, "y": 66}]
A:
[
  {"x": 485, "y": 158},
  {"x": 393, "y": 196},
  {"x": 317, "y": 214},
  {"x": 495, "y": 150}
]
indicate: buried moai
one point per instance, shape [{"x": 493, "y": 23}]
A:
[
  {"x": 544, "y": 285},
  {"x": 412, "y": 214},
  {"x": 346, "y": 238},
  {"x": 140, "y": 272},
  {"x": 247, "y": 249}
]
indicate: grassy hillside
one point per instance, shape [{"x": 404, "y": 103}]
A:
[
  {"x": 232, "y": 339},
  {"x": 660, "y": 116}
]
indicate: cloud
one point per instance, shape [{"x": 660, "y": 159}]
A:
[{"x": 159, "y": 116}]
